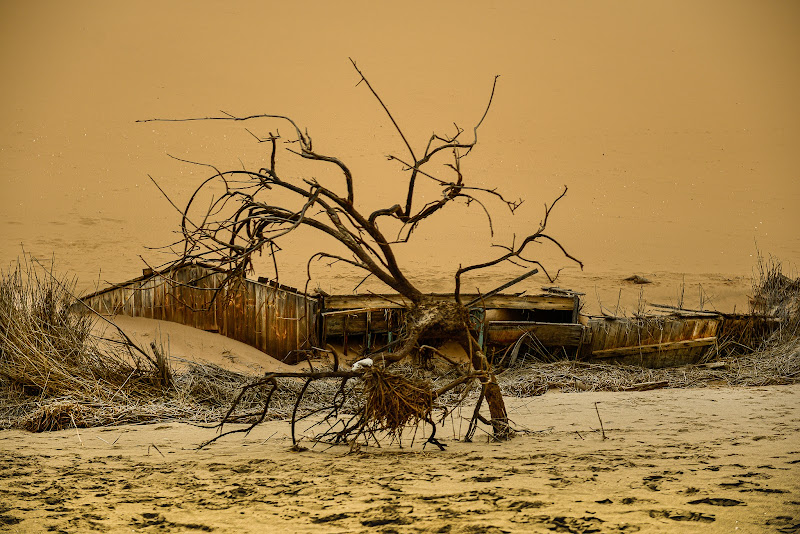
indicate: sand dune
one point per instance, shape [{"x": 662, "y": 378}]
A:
[{"x": 186, "y": 344}]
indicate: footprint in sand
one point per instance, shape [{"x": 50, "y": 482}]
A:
[
  {"x": 718, "y": 501},
  {"x": 681, "y": 515}
]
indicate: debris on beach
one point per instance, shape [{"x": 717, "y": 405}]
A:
[{"x": 637, "y": 279}]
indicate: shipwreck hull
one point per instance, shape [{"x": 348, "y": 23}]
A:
[
  {"x": 363, "y": 322},
  {"x": 275, "y": 319},
  {"x": 653, "y": 342},
  {"x": 284, "y": 322}
]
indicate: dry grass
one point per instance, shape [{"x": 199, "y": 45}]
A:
[
  {"x": 777, "y": 295},
  {"x": 776, "y": 364},
  {"x": 54, "y": 374},
  {"x": 751, "y": 352},
  {"x": 46, "y": 349}
]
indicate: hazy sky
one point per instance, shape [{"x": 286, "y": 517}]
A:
[{"x": 674, "y": 124}]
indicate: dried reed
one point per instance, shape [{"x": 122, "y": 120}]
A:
[
  {"x": 777, "y": 295},
  {"x": 47, "y": 349},
  {"x": 53, "y": 371},
  {"x": 774, "y": 364},
  {"x": 54, "y": 374}
]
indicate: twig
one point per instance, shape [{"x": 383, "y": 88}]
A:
[
  {"x": 76, "y": 428},
  {"x": 602, "y": 430},
  {"x": 266, "y": 440}
]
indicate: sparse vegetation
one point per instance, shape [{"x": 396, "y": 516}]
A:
[
  {"x": 55, "y": 373},
  {"x": 778, "y": 295}
]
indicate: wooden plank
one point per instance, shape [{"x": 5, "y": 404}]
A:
[
  {"x": 223, "y": 313},
  {"x": 119, "y": 301},
  {"x": 597, "y": 327},
  {"x": 138, "y": 304},
  {"x": 250, "y": 314},
  {"x": 108, "y": 300},
  {"x": 261, "y": 335},
  {"x": 208, "y": 315},
  {"x": 310, "y": 323},
  {"x": 184, "y": 296},
  {"x": 269, "y": 320},
  {"x": 294, "y": 331},
  {"x": 621, "y": 352},
  {"x": 197, "y": 299},
  {"x": 280, "y": 325},
  {"x": 673, "y": 330},
  {"x": 635, "y": 334},
  {"x": 576, "y": 306},
  {"x": 214, "y": 315},
  {"x": 529, "y": 302},
  {"x": 147, "y": 298},
  {"x": 549, "y": 334},
  {"x": 277, "y": 324},
  {"x": 238, "y": 313},
  {"x": 178, "y": 306},
  {"x": 219, "y": 309},
  {"x": 350, "y": 311},
  {"x": 356, "y": 323},
  {"x": 710, "y": 328},
  {"x": 159, "y": 290},
  {"x": 169, "y": 301},
  {"x": 622, "y": 333},
  {"x": 647, "y": 386}
]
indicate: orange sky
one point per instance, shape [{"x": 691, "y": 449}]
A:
[{"x": 674, "y": 124}]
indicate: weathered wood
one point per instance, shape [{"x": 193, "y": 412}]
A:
[
  {"x": 647, "y": 386},
  {"x": 714, "y": 365},
  {"x": 272, "y": 318},
  {"x": 610, "y": 334},
  {"x": 356, "y": 323},
  {"x": 685, "y": 310},
  {"x": 497, "y": 290},
  {"x": 621, "y": 352},
  {"x": 350, "y": 312},
  {"x": 525, "y": 302},
  {"x": 548, "y": 334}
]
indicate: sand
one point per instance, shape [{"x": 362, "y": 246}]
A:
[
  {"x": 185, "y": 344},
  {"x": 674, "y": 126},
  {"x": 700, "y": 460}
]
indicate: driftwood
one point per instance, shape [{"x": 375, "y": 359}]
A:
[
  {"x": 647, "y": 386},
  {"x": 246, "y": 220}
]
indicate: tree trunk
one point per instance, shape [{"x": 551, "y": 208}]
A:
[{"x": 492, "y": 393}]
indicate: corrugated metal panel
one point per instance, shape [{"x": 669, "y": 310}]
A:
[{"x": 274, "y": 319}]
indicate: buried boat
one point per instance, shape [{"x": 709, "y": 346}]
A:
[{"x": 288, "y": 324}]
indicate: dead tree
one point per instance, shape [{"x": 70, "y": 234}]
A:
[{"x": 245, "y": 221}]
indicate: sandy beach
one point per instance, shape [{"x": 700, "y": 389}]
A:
[
  {"x": 673, "y": 125},
  {"x": 699, "y": 460}
]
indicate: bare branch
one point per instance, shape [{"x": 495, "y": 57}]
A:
[
  {"x": 378, "y": 98},
  {"x": 516, "y": 252}
]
